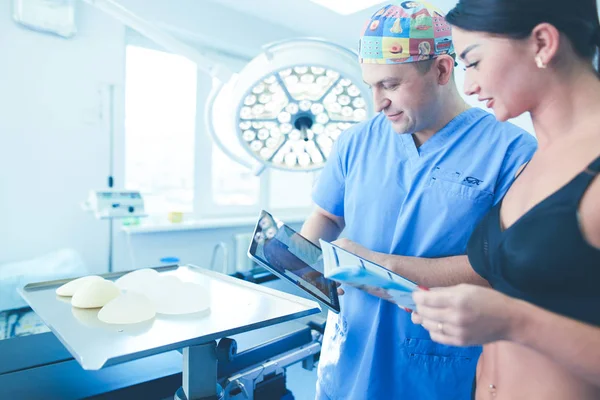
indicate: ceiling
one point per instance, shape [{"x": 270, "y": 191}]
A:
[
  {"x": 311, "y": 19},
  {"x": 242, "y": 27}
]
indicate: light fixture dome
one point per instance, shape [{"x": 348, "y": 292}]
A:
[{"x": 288, "y": 106}]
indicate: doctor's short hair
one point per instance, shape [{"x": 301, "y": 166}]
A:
[{"x": 425, "y": 66}]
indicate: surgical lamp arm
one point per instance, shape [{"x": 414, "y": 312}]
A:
[{"x": 130, "y": 19}]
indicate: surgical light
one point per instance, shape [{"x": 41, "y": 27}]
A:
[
  {"x": 294, "y": 100},
  {"x": 285, "y": 108}
]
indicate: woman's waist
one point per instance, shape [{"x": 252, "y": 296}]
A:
[{"x": 512, "y": 371}]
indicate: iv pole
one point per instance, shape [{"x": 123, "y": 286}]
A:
[{"x": 111, "y": 166}]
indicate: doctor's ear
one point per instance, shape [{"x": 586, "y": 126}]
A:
[{"x": 444, "y": 67}]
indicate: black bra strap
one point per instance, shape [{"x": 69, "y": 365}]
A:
[
  {"x": 594, "y": 168},
  {"x": 579, "y": 185},
  {"x": 585, "y": 179}
]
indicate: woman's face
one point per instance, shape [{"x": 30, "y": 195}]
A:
[{"x": 501, "y": 72}]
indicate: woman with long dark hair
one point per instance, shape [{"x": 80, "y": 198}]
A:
[{"x": 539, "y": 248}]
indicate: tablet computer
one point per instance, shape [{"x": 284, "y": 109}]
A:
[
  {"x": 348, "y": 268},
  {"x": 290, "y": 256}
]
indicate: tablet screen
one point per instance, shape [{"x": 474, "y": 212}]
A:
[{"x": 291, "y": 256}]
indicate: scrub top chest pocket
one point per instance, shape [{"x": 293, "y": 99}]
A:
[{"x": 457, "y": 184}]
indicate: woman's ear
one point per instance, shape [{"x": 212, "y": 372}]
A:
[{"x": 545, "y": 41}]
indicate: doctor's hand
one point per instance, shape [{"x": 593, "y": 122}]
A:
[
  {"x": 354, "y": 248},
  {"x": 466, "y": 315}
]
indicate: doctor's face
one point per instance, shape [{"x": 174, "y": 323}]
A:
[{"x": 404, "y": 94}]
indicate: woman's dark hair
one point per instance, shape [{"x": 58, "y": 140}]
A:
[{"x": 578, "y": 21}]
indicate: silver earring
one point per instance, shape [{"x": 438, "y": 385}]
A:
[{"x": 538, "y": 61}]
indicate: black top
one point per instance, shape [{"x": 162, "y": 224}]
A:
[{"x": 543, "y": 257}]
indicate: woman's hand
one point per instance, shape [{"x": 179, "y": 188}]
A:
[{"x": 466, "y": 315}]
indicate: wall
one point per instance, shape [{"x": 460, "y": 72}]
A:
[
  {"x": 191, "y": 247},
  {"x": 54, "y": 141},
  {"x": 211, "y": 25}
]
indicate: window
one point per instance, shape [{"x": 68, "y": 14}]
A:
[
  {"x": 232, "y": 184},
  {"x": 290, "y": 190},
  {"x": 160, "y": 115},
  {"x": 175, "y": 164}
]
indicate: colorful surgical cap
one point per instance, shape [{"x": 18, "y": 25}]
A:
[{"x": 405, "y": 31}]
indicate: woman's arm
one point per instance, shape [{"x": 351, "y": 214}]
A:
[
  {"x": 466, "y": 315},
  {"x": 568, "y": 342}
]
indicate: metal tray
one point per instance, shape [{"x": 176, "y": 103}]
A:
[{"x": 236, "y": 306}]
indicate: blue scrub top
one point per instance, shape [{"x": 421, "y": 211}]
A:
[{"x": 425, "y": 202}]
